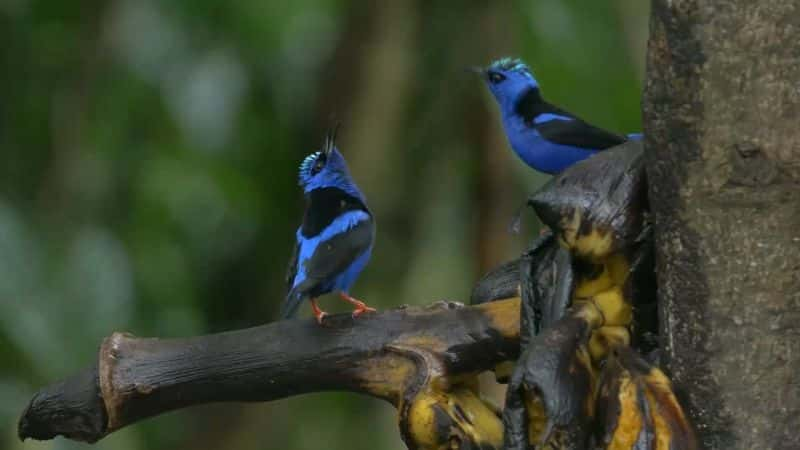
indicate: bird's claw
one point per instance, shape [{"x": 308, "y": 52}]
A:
[
  {"x": 361, "y": 307},
  {"x": 318, "y": 313},
  {"x": 361, "y": 310}
]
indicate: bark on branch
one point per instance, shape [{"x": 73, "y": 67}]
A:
[{"x": 136, "y": 378}]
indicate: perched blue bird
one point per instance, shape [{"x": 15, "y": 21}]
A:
[
  {"x": 546, "y": 137},
  {"x": 334, "y": 242}
]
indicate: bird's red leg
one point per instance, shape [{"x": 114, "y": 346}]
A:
[
  {"x": 361, "y": 307},
  {"x": 318, "y": 313}
]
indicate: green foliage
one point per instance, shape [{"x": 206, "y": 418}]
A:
[{"x": 148, "y": 155}]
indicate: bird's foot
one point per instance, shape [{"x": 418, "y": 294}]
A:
[
  {"x": 360, "y": 310},
  {"x": 361, "y": 307},
  {"x": 318, "y": 313}
]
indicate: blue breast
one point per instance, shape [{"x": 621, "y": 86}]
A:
[{"x": 542, "y": 154}]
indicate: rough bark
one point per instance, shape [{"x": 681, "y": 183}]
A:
[
  {"x": 721, "y": 114},
  {"x": 376, "y": 355}
]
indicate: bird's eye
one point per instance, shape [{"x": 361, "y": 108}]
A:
[
  {"x": 318, "y": 165},
  {"x": 496, "y": 77}
]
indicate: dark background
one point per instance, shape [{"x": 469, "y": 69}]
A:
[{"x": 148, "y": 166}]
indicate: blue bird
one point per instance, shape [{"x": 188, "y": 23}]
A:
[
  {"x": 334, "y": 242},
  {"x": 544, "y": 136}
]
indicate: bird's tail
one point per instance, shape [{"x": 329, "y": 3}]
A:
[
  {"x": 635, "y": 136},
  {"x": 293, "y": 300}
]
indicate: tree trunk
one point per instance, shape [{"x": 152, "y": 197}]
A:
[{"x": 721, "y": 115}]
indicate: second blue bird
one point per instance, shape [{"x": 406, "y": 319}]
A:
[
  {"x": 334, "y": 242},
  {"x": 544, "y": 136}
]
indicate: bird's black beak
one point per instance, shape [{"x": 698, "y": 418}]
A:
[
  {"x": 480, "y": 71},
  {"x": 330, "y": 140}
]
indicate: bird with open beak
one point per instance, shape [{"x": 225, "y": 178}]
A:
[{"x": 335, "y": 240}]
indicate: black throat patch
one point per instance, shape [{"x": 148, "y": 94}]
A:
[{"x": 324, "y": 205}]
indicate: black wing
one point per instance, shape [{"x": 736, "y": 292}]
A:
[
  {"x": 578, "y": 133},
  {"x": 572, "y": 131},
  {"x": 334, "y": 255},
  {"x": 330, "y": 258}
]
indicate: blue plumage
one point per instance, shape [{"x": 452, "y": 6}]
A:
[
  {"x": 334, "y": 242},
  {"x": 544, "y": 136}
]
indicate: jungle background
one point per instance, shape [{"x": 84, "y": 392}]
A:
[{"x": 148, "y": 173}]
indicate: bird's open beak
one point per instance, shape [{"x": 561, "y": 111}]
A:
[{"x": 330, "y": 140}]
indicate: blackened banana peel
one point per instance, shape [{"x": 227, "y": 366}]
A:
[
  {"x": 588, "y": 295},
  {"x": 441, "y": 413},
  {"x": 636, "y": 408},
  {"x": 553, "y": 383},
  {"x": 597, "y": 206}
]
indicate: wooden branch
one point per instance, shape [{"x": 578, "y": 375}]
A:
[{"x": 138, "y": 378}]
